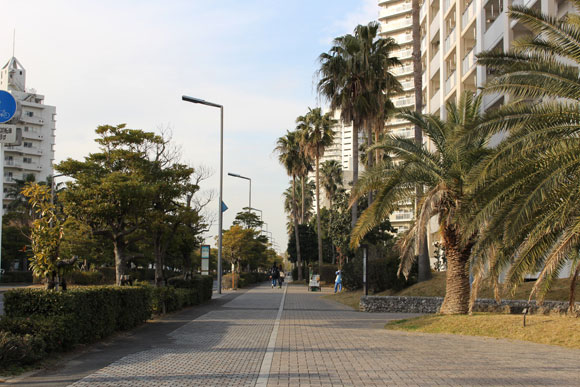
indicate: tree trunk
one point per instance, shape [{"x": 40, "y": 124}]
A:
[
  {"x": 369, "y": 156},
  {"x": 572, "y": 299},
  {"x": 423, "y": 260},
  {"x": 296, "y": 234},
  {"x": 354, "y": 207},
  {"x": 318, "y": 215},
  {"x": 303, "y": 204},
  {"x": 377, "y": 152},
  {"x": 157, "y": 249},
  {"x": 120, "y": 264},
  {"x": 457, "y": 291}
]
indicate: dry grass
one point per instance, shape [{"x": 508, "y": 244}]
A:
[
  {"x": 553, "y": 330},
  {"x": 435, "y": 287}
]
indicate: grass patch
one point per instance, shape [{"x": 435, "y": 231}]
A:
[{"x": 552, "y": 330}]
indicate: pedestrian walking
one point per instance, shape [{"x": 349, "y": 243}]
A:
[
  {"x": 338, "y": 281},
  {"x": 274, "y": 275},
  {"x": 281, "y": 276}
]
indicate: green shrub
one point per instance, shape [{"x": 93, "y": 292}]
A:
[
  {"x": 381, "y": 274},
  {"x": 181, "y": 293},
  {"x": 328, "y": 273},
  {"x": 20, "y": 349},
  {"x": 57, "y": 332},
  {"x": 96, "y": 312},
  {"x": 305, "y": 272},
  {"x": 86, "y": 278},
  {"x": 17, "y": 276},
  {"x": 109, "y": 274}
]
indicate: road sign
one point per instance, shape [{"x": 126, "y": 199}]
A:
[
  {"x": 7, "y": 134},
  {"x": 205, "y": 249},
  {"x": 7, "y": 106}
]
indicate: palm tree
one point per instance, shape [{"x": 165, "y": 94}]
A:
[
  {"x": 308, "y": 200},
  {"x": 528, "y": 194},
  {"x": 345, "y": 79},
  {"x": 331, "y": 182},
  {"x": 458, "y": 147},
  {"x": 331, "y": 178},
  {"x": 289, "y": 156},
  {"x": 316, "y": 135}
]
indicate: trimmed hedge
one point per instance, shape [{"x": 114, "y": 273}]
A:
[
  {"x": 243, "y": 280},
  {"x": 16, "y": 276},
  {"x": 18, "y": 350},
  {"x": 94, "y": 312},
  {"x": 182, "y": 293}
]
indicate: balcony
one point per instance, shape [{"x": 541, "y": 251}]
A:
[
  {"x": 403, "y": 102},
  {"x": 447, "y": 4},
  {"x": 12, "y": 164},
  {"x": 450, "y": 41},
  {"x": 396, "y": 25},
  {"x": 468, "y": 61},
  {"x": 408, "y": 85},
  {"x": 468, "y": 15},
  {"x": 404, "y": 133},
  {"x": 424, "y": 78},
  {"x": 434, "y": 64},
  {"x": 494, "y": 32},
  {"x": 434, "y": 27},
  {"x": 401, "y": 216},
  {"x": 400, "y": 70},
  {"x": 402, "y": 54},
  {"x": 394, "y": 10},
  {"x": 423, "y": 11},
  {"x": 435, "y": 102},
  {"x": 450, "y": 83},
  {"x": 36, "y": 120},
  {"x": 423, "y": 46}
]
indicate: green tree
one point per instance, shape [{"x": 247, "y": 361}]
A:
[
  {"x": 288, "y": 150},
  {"x": 248, "y": 219},
  {"x": 527, "y": 201},
  {"x": 46, "y": 234},
  {"x": 316, "y": 135},
  {"x": 458, "y": 148},
  {"x": 332, "y": 178},
  {"x": 111, "y": 191},
  {"x": 348, "y": 79}
]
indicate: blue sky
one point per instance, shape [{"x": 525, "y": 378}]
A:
[{"x": 111, "y": 62}]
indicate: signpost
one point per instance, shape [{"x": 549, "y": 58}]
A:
[
  {"x": 205, "y": 249},
  {"x": 8, "y": 109}
]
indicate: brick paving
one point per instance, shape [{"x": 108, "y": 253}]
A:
[{"x": 322, "y": 343}]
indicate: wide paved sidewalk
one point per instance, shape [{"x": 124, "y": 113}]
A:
[{"x": 291, "y": 337}]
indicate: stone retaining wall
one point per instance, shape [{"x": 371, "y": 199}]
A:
[{"x": 432, "y": 305}]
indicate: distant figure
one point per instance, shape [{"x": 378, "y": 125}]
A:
[
  {"x": 281, "y": 277},
  {"x": 338, "y": 281},
  {"x": 274, "y": 275}
]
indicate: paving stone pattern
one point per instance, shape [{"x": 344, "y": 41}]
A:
[
  {"x": 223, "y": 347},
  {"x": 322, "y": 343}
]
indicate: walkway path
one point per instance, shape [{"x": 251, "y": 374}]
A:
[{"x": 247, "y": 339}]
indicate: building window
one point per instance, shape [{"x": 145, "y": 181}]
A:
[
  {"x": 29, "y": 114},
  {"x": 27, "y": 160},
  {"x": 27, "y": 144}
]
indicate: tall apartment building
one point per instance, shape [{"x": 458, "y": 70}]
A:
[
  {"x": 454, "y": 31},
  {"x": 38, "y": 122},
  {"x": 396, "y": 22}
]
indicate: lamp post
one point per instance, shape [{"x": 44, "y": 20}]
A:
[
  {"x": 250, "y": 180},
  {"x": 220, "y": 208}
]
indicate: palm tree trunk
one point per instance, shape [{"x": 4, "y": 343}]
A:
[
  {"x": 303, "y": 204},
  {"x": 377, "y": 154},
  {"x": 457, "y": 282},
  {"x": 354, "y": 208},
  {"x": 369, "y": 155},
  {"x": 572, "y": 299},
  {"x": 318, "y": 215},
  {"x": 296, "y": 234}
]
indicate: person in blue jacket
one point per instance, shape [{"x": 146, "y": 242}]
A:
[{"x": 338, "y": 281}]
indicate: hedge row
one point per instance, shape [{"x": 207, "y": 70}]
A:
[
  {"x": 16, "y": 276},
  {"x": 38, "y": 321},
  {"x": 243, "y": 279}
]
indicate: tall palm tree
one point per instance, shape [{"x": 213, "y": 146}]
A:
[
  {"x": 458, "y": 148},
  {"x": 308, "y": 200},
  {"x": 317, "y": 134},
  {"x": 331, "y": 178},
  {"x": 331, "y": 182},
  {"x": 345, "y": 78},
  {"x": 528, "y": 194},
  {"x": 289, "y": 156}
]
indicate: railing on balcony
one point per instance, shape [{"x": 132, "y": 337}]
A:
[
  {"x": 404, "y": 133},
  {"x": 434, "y": 27},
  {"x": 424, "y": 78},
  {"x": 402, "y": 70},
  {"x": 447, "y": 4},
  {"x": 450, "y": 83},
  {"x": 423, "y": 45},
  {"x": 388, "y": 11},
  {"x": 400, "y": 102},
  {"x": 423, "y": 10},
  {"x": 450, "y": 40},
  {"x": 434, "y": 65},
  {"x": 395, "y": 25},
  {"x": 468, "y": 14},
  {"x": 435, "y": 102},
  {"x": 468, "y": 61}
]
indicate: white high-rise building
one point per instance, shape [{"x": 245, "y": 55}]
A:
[{"x": 38, "y": 122}]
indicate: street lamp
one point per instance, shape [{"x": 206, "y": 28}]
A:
[
  {"x": 220, "y": 208},
  {"x": 250, "y": 180}
]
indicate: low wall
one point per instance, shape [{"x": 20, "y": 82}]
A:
[{"x": 432, "y": 305}]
